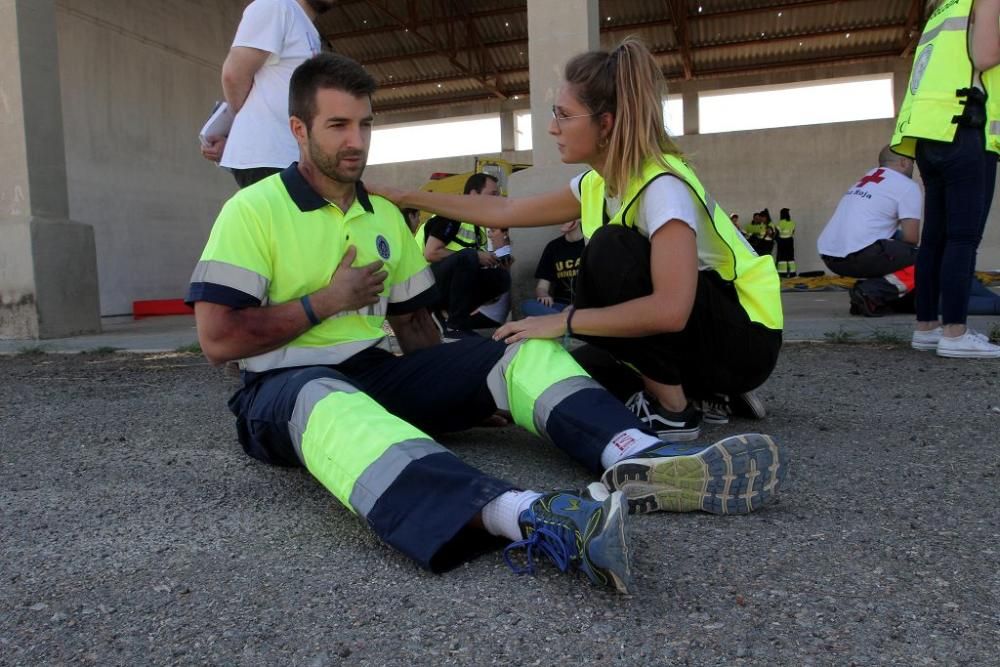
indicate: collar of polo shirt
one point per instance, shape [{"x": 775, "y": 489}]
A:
[{"x": 307, "y": 199}]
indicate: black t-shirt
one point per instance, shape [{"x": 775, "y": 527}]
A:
[
  {"x": 446, "y": 230},
  {"x": 559, "y": 264}
]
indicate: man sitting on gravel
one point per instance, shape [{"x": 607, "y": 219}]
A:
[{"x": 298, "y": 276}]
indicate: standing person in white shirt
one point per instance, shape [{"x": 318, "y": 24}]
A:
[
  {"x": 860, "y": 240},
  {"x": 273, "y": 38}
]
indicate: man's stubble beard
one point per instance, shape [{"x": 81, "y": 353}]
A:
[{"x": 330, "y": 166}]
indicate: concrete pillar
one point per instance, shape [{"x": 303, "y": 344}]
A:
[
  {"x": 508, "y": 135},
  {"x": 690, "y": 101},
  {"x": 48, "y": 264},
  {"x": 557, "y": 31},
  {"x": 900, "y": 81}
]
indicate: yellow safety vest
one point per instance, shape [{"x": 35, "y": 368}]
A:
[
  {"x": 940, "y": 80},
  {"x": 468, "y": 236},
  {"x": 755, "y": 278},
  {"x": 786, "y": 229}
]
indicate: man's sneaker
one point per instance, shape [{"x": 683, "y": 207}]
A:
[
  {"x": 926, "y": 340},
  {"x": 576, "y": 531},
  {"x": 970, "y": 345},
  {"x": 450, "y": 335},
  {"x": 675, "y": 426},
  {"x": 736, "y": 475}
]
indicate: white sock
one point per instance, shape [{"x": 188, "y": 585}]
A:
[
  {"x": 626, "y": 444},
  {"x": 500, "y": 515}
]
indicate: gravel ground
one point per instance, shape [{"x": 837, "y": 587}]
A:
[{"x": 135, "y": 532}]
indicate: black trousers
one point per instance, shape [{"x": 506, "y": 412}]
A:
[
  {"x": 786, "y": 249},
  {"x": 464, "y": 286},
  {"x": 761, "y": 245},
  {"x": 719, "y": 350},
  {"x": 879, "y": 259},
  {"x": 246, "y": 177}
]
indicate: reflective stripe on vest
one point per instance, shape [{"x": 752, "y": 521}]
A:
[
  {"x": 468, "y": 236},
  {"x": 942, "y": 66},
  {"x": 755, "y": 278},
  {"x": 323, "y": 355}
]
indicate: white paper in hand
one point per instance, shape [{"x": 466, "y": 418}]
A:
[{"x": 218, "y": 124}]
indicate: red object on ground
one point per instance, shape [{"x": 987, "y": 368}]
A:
[{"x": 154, "y": 307}]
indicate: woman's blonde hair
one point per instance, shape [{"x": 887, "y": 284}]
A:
[{"x": 628, "y": 84}]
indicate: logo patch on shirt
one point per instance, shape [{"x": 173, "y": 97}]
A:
[
  {"x": 920, "y": 68},
  {"x": 382, "y": 246}
]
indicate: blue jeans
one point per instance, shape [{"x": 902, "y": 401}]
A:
[
  {"x": 533, "y": 308},
  {"x": 959, "y": 178},
  {"x": 983, "y": 300}
]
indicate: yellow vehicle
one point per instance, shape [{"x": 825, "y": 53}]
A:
[{"x": 455, "y": 183}]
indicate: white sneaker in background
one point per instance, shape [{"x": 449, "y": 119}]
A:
[
  {"x": 926, "y": 340},
  {"x": 970, "y": 345}
]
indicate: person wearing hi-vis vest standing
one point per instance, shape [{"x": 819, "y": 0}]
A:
[
  {"x": 667, "y": 285},
  {"x": 786, "y": 244},
  {"x": 950, "y": 122}
]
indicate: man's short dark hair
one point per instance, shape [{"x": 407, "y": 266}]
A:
[
  {"x": 477, "y": 182},
  {"x": 325, "y": 70}
]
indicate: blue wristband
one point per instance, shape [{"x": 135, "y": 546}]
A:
[{"x": 310, "y": 313}]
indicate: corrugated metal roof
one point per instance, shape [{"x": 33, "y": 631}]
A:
[{"x": 437, "y": 53}]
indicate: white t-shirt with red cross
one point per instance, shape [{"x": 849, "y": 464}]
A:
[
  {"x": 260, "y": 136},
  {"x": 870, "y": 211}
]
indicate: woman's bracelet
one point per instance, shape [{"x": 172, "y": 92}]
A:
[{"x": 569, "y": 321}]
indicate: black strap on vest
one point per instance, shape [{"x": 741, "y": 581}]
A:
[
  {"x": 974, "y": 111},
  {"x": 636, "y": 197},
  {"x": 604, "y": 205}
]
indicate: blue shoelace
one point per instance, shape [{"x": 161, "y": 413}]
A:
[{"x": 545, "y": 540}]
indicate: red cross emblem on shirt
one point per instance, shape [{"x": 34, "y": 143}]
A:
[{"x": 875, "y": 177}]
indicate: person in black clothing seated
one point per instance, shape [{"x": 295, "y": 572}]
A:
[
  {"x": 412, "y": 217},
  {"x": 466, "y": 273},
  {"x": 556, "y": 272}
]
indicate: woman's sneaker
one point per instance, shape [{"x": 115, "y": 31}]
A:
[
  {"x": 736, "y": 475},
  {"x": 577, "y": 532},
  {"x": 748, "y": 404},
  {"x": 671, "y": 426},
  {"x": 926, "y": 340},
  {"x": 714, "y": 409},
  {"x": 970, "y": 345},
  {"x": 718, "y": 408}
]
